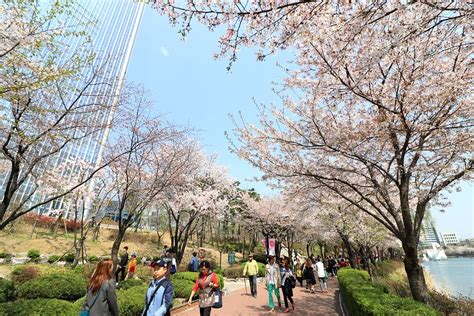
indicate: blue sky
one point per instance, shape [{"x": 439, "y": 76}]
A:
[{"x": 191, "y": 87}]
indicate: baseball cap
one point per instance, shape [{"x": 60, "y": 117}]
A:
[{"x": 161, "y": 263}]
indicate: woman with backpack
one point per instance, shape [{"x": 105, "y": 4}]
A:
[
  {"x": 288, "y": 282},
  {"x": 100, "y": 298},
  {"x": 206, "y": 285}
]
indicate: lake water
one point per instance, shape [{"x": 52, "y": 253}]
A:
[{"x": 455, "y": 275}]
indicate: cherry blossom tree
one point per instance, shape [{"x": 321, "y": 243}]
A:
[
  {"x": 155, "y": 159},
  {"x": 280, "y": 24},
  {"x": 200, "y": 192},
  {"x": 374, "y": 124},
  {"x": 42, "y": 115},
  {"x": 274, "y": 217},
  {"x": 384, "y": 117}
]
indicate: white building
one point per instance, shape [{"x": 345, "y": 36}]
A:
[{"x": 449, "y": 239}]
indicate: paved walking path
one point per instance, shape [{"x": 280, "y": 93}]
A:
[{"x": 238, "y": 303}]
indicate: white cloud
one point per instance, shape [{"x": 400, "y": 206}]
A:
[{"x": 164, "y": 51}]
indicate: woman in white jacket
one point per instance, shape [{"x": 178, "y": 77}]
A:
[{"x": 322, "y": 276}]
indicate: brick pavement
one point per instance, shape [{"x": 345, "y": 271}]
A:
[{"x": 238, "y": 303}]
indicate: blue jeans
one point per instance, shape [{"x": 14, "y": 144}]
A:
[{"x": 253, "y": 284}]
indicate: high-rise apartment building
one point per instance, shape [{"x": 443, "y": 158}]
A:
[
  {"x": 428, "y": 234},
  {"x": 112, "y": 26}
]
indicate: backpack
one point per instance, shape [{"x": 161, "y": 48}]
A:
[
  {"x": 173, "y": 269},
  {"x": 190, "y": 266}
]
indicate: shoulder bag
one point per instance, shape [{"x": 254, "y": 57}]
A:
[{"x": 86, "y": 309}]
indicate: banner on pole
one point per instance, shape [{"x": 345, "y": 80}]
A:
[{"x": 271, "y": 246}]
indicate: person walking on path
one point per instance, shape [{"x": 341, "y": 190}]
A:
[
  {"x": 101, "y": 298},
  {"x": 299, "y": 272},
  {"x": 132, "y": 266},
  {"x": 171, "y": 261},
  {"x": 287, "y": 281},
  {"x": 159, "y": 295},
  {"x": 251, "y": 270},
  {"x": 273, "y": 280},
  {"x": 308, "y": 274},
  {"x": 122, "y": 265},
  {"x": 193, "y": 264},
  {"x": 206, "y": 283},
  {"x": 322, "y": 276}
]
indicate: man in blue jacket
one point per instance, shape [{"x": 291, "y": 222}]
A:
[
  {"x": 193, "y": 264},
  {"x": 159, "y": 295}
]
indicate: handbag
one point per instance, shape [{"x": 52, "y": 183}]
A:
[
  {"x": 207, "y": 295},
  {"x": 86, "y": 309},
  {"x": 217, "y": 298},
  {"x": 292, "y": 281}
]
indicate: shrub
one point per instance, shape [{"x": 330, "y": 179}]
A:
[
  {"x": 33, "y": 254},
  {"x": 37, "y": 307},
  {"x": 7, "y": 290},
  {"x": 86, "y": 270},
  {"x": 218, "y": 271},
  {"x": 24, "y": 273},
  {"x": 182, "y": 288},
  {"x": 449, "y": 305},
  {"x": 144, "y": 273},
  {"x": 260, "y": 257},
  {"x": 67, "y": 286},
  {"x": 77, "y": 305},
  {"x": 5, "y": 255},
  {"x": 233, "y": 272},
  {"x": 124, "y": 285},
  {"x": 131, "y": 301},
  {"x": 53, "y": 258},
  {"x": 69, "y": 257},
  {"x": 93, "y": 259},
  {"x": 190, "y": 276},
  {"x": 364, "y": 297}
]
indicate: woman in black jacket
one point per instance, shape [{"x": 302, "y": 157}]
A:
[{"x": 308, "y": 275}]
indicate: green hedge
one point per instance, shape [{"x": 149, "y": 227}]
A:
[
  {"x": 182, "y": 288},
  {"x": 7, "y": 290},
  {"x": 24, "y": 273},
  {"x": 132, "y": 300},
  {"x": 66, "y": 286},
  {"x": 53, "y": 258},
  {"x": 37, "y": 307},
  {"x": 33, "y": 254},
  {"x": 124, "y": 285},
  {"x": 363, "y": 297}
]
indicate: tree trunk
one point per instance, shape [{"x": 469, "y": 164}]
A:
[
  {"x": 77, "y": 254},
  {"x": 350, "y": 251},
  {"x": 34, "y": 226},
  {"x": 95, "y": 237},
  {"x": 414, "y": 271},
  {"x": 116, "y": 247}
]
